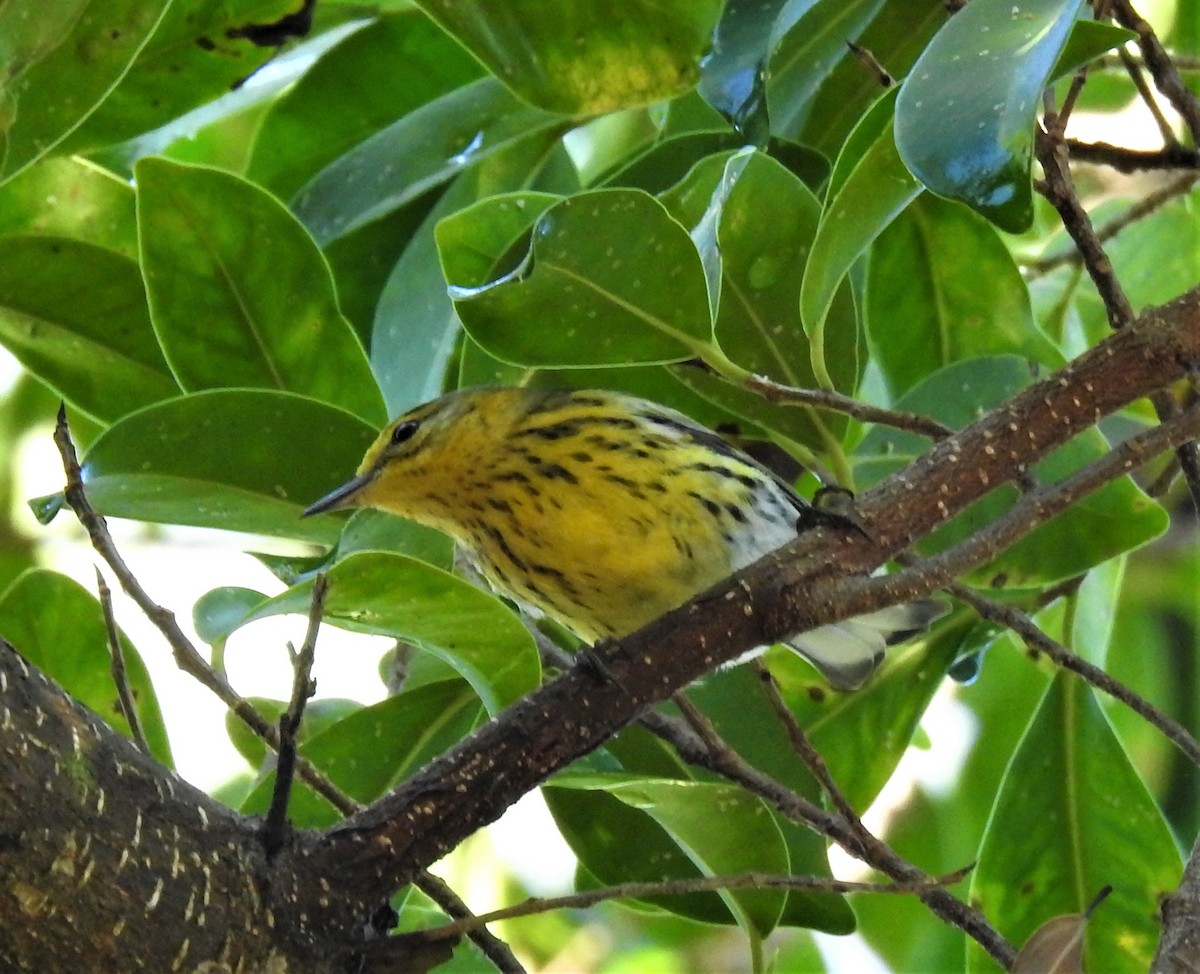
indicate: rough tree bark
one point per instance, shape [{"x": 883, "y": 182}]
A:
[{"x": 109, "y": 862}]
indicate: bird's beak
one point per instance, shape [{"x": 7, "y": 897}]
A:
[{"x": 341, "y": 497}]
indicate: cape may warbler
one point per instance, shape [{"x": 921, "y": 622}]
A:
[{"x": 600, "y": 510}]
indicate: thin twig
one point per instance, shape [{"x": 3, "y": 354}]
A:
[
  {"x": 1139, "y": 210},
  {"x": 303, "y": 687},
  {"x": 1059, "y": 189},
  {"x": 1037, "y": 640},
  {"x": 1133, "y": 69},
  {"x": 703, "y": 728},
  {"x": 804, "y": 748},
  {"x": 1134, "y": 160},
  {"x": 679, "y": 887},
  {"x": 1184, "y": 63},
  {"x": 1161, "y": 67},
  {"x": 491, "y": 946},
  {"x": 117, "y": 665},
  {"x": 186, "y": 656},
  {"x": 837, "y": 402},
  {"x": 795, "y": 807},
  {"x": 1078, "y": 80}
]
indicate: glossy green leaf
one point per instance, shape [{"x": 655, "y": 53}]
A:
[
  {"x": 240, "y": 295},
  {"x": 733, "y": 75},
  {"x": 238, "y": 459},
  {"x": 1072, "y": 816},
  {"x": 58, "y": 61},
  {"x": 218, "y": 613},
  {"x": 371, "y": 530},
  {"x": 870, "y": 187},
  {"x": 759, "y": 312},
  {"x": 416, "y": 326},
  {"x": 1114, "y": 519},
  {"x": 863, "y": 735},
  {"x": 372, "y": 749},
  {"x": 59, "y": 627},
  {"x": 424, "y": 148},
  {"x": 71, "y": 198},
  {"x": 670, "y": 159},
  {"x": 964, "y": 119},
  {"x": 714, "y": 828},
  {"x": 896, "y": 36},
  {"x": 584, "y": 59},
  {"x": 395, "y": 595},
  {"x": 1089, "y": 39},
  {"x": 810, "y": 39},
  {"x": 941, "y": 287},
  {"x": 758, "y": 318},
  {"x": 364, "y": 261},
  {"x": 75, "y": 315},
  {"x": 484, "y": 241},
  {"x": 192, "y": 58},
  {"x": 609, "y": 278},
  {"x": 386, "y": 70}
]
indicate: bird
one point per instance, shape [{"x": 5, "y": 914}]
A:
[{"x": 602, "y": 511}]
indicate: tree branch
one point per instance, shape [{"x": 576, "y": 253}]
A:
[{"x": 799, "y": 587}]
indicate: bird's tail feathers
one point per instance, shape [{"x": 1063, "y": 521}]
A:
[{"x": 846, "y": 653}]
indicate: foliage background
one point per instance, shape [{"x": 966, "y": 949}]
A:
[{"x": 233, "y": 289}]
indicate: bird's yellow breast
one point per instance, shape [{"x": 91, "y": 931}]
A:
[{"x": 600, "y": 510}]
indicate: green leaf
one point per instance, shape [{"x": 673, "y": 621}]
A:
[
  {"x": 662, "y": 164},
  {"x": 584, "y": 59},
  {"x": 239, "y": 308},
  {"x": 811, "y": 40},
  {"x": 868, "y": 188},
  {"x": 238, "y": 459},
  {"x": 395, "y": 595},
  {"x": 402, "y": 733},
  {"x": 896, "y": 36},
  {"x": 483, "y": 241},
  {"x": 964, "y": 119},
  {"x": 1116, "y": 518},
  {"x": 421, "y": 150},
  {"x": 71, "y": 198},
  {"x": 1072, "y": 816},
  {"x": 191, "y": 58},
  {"x": 416, "y": 327},
  {"x": 1087, "y": 41},
  {"x": 694, "y": 828},
  {"x": 371, "y": 530},
  {"x": 942, "y": 286},
  {"x": 59, "y": 61},
  {"x": 863, "y": 735},
  {"x": 75, "y": 315},
  {"x": 363, "y": 263},
  {"x": 59, "y": 627},
  {"x": 361, "y": 71},
  {"x": 609, "y": 279},
  {"x": 733, "y": 76},
  {"x": 218, "y": 613},
  {"x": 758, "y": 317}
]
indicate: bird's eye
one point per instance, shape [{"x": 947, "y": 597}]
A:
[{"x": 404, "y": 431}]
